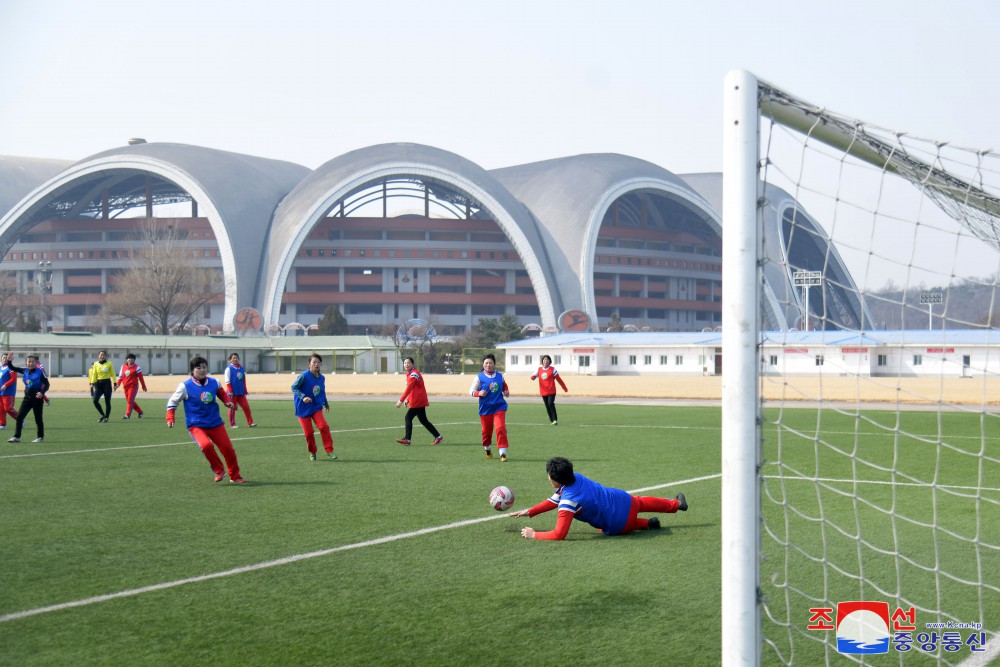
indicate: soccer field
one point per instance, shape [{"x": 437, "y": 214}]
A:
[{"x": 119, "y": 549}]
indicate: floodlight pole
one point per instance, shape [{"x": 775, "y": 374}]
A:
[
  {"x": 930, "y": 298},
  {"x": 805, "y": 280}
]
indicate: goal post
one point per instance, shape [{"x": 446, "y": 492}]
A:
[
  {"x": 740, "y": 334},
  {"x": 860, "y": 452}
]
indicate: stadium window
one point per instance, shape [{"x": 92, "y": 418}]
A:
[
  {"x": 773, "y": 360},
  {"x": 819, "y": 360},
  {"x": 664, "y": 360},
  {"x": 647, "y": 360},
  {"x": 679, "y": 360},
  {"x": 527, "y": 359},
  {"x": 614, "y": 359},
  {"x": 513, "y": 360},
  {"x": 631, "y": 360},
  {"x": 918, "y": 360},
  {"x": 883, "y": 360}
]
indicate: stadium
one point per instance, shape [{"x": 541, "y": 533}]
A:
[{"x": 394, "y": 232}]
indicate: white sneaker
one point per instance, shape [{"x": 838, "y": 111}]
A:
[
  {"x": 234, "y": 426},
  {"x": 3, "y": 427},
  {"x": 39, "y": 440},
  {"x": 14, "y": 439}
]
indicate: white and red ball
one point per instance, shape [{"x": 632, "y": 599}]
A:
[{"x": 501, "y": 498}]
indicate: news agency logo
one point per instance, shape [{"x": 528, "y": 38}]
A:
[
  {"x": 862, "y": 627},
  {"x": 868, "y": 628}
]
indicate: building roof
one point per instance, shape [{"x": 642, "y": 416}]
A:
[
  {"x": 571, "y": 195},
  {"x": 315, "y": 196},
  {"x": 20, "y": 175},
  {"x": 237, "y": 193},
  {"x": 838, "y": 338}
]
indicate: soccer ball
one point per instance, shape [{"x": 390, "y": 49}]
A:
[{"x": 501, "y": 498}]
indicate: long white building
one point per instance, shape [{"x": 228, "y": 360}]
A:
[{"x": 948, "y": 353}]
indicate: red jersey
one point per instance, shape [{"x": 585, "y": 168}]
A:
[
  {"x": 415, "y": 390},
  {"x": 547, "y": 378},
  {"x": 130, "y": 376}
]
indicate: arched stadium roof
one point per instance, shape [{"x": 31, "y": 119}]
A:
[
  {"x": 571, "y": 195},
  {"x": 315, "y": 195},
  {"x": 237, "y": 193}
]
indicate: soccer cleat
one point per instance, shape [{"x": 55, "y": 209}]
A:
[
  {"x": 39, "y": 440},
  {"x": 219, "y": 476},
  {"x": 139, "y": 416},
  {"x": 127, "y": 417},
  {"x": 312, "y": 457},
  {"x": 252, "y": 424},
  {"x": 333, "y": 457},
  {"x": 237, "y": 480},
  {"x": 683, "y": 506},
  {"x": 555, "y": 422},
  {"x": 654, "y": 524},
  {"x": 438, "y": 440},
  {"x": 3, "y": 427},
  {"x": 489, "y": 454},
  {"x": 14, "y": 439},
  {"x": 503, "y": 458},
  {"x": 105, "y": 420},
  {"x": 100, "y": 420},
  {"x": 233, "y": 426},
  {"x": 403, "y": 441}
]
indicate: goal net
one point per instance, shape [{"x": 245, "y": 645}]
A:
[{"x": 861, "y": 390}]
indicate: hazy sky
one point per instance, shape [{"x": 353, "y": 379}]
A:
[{"x": 499, "y": 83}]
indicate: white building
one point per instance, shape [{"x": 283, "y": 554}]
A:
[{"x": 949, "y": 353}]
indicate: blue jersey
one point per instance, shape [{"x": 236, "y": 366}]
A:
[
  {"x": 35, "y": 381},
  {"x": 312, "y": 386},
  {"x": 236, "y": 377},
  {"x": 200, "y": 407},
  {"x": 493, "y": 402},
  {"x": 603, "y": 507},
  {"x": 5, "y": 374}
]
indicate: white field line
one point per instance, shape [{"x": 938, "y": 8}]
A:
[
  {"x": 986, "y": 657},
  {"x": 287, "y": 560},
  {"x": 296, "y": 434}
]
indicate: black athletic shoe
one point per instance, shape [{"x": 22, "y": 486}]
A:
[
  {"x": 100, "y": 420},
  {"x": 683, "y": 507},
  {"x": 654, "y": 523}
]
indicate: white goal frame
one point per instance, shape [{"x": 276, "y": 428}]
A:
[
  {"x": 741, "y": 424},
  {"x": 746, "y": 101}
]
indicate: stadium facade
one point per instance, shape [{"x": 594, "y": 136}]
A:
[{"x": 396, "y": 232}]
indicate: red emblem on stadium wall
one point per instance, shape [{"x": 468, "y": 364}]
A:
[
  {"x": 574, "y": 320},
  {"x": 247, "y": 319}
]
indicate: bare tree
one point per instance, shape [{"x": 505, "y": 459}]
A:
[
  {"x": 9, "y": 312},
  {"x": 164, "y": 288}
]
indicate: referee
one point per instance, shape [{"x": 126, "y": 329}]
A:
[{"x": 102, "y": 382}]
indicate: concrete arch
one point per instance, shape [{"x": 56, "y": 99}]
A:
[
  {"x": 668, "y": 188},
  {"x": 570, "y": 197},
  {"x": 308, "y": 203},
  {"x": 236, "y": 193}
]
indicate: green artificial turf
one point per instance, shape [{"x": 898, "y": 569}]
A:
[{"x": 392, "y": 555}]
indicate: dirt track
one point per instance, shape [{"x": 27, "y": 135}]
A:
[{"x": 968, "y": 391}]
